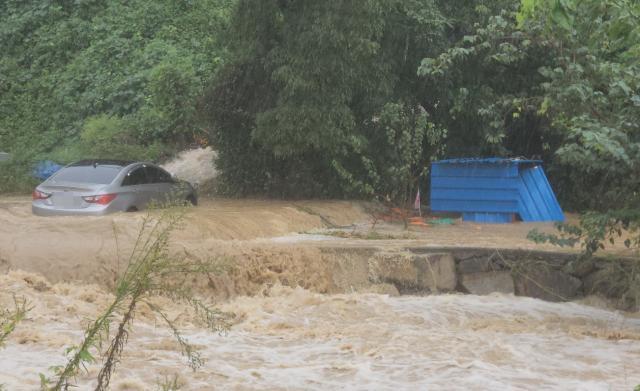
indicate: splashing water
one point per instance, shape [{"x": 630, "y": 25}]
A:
[{"x": 195, "y": 165}]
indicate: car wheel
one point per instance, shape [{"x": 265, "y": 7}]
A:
[{"x": 132, "y": 209}]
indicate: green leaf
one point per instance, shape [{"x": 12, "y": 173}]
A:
[
  {"x": 560, "y": 16},
  {"x": 86, "y": 356}
]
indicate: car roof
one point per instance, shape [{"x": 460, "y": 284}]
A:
[{"x": 102, "y": 162}]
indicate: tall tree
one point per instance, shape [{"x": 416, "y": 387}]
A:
[{"x": 324, "y": 70}]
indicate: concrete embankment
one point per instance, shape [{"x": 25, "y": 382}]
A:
[{"x": 420, "y": 270}]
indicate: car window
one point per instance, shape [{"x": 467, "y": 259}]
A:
[
  {"x": 99, "y": 174},
  {"x": 157, "y": 175},
  {"x": 136, "y": 177}
]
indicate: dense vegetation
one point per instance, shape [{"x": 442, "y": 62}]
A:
[
  {"x": 330, "y": 99},
  {"x": 103, "y": 78}
]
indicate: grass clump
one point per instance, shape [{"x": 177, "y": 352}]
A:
[
  {"x": 169, "y": 383},
  {"x": 150, "y": 271},
  {"x": 9, "y": 318}
]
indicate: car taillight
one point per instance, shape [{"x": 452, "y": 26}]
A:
[
  {"x": 39, "y": 195},
  {"x": 100, "y": 199}
]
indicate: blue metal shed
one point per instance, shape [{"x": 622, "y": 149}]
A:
[{"x": 493, "y": 190}]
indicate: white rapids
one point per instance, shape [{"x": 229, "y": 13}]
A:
[{"x": 294, "y": 339}]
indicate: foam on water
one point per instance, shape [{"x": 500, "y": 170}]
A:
[{"x": 296, "y": 339}]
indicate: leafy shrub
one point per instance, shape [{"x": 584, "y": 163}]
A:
[
  {"x": 15, "y": 177},
  {"x": 394, "y": 154}
]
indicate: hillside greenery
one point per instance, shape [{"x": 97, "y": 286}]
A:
[
  {"x": 93, "y": 78},
  {"x": 347, "y": 98}
]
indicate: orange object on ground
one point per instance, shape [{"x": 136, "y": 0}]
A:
[{"x": 417, "y": 221}]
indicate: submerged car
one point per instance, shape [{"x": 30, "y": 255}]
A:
[{"x": 98, "y": 187}]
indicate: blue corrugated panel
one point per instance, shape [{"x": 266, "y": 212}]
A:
[
  {"x": 493, "y": 190},
  {"x": 490, "y": 218},
  {"x": 537, "y": 198},
  {"x": 475, "y": 183},
  {"x": 470, "y": 170}
]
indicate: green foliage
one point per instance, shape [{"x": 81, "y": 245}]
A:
[
  {"x": 65, "y": 63},
  {"x": 291, "y": 113},
  {"x": 558, "y": 12},
  {"x": 394, "y": 153},
  {"x": 489, "y": 81},
  {"x": 113, "y": 137},
  {"x": 591, "y": 96},
  {"x": 174, "y": 87},
  {"x": 568, "y": 95},
  {"x": 329, "y": 99},
  {"x": 312, "y": 109},
  {"x": 15, "y": 177},
  {"x": 596, "y": 230}
]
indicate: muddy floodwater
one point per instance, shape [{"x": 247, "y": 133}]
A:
[
  {"x": 290, "y": 339},
  {"x": 287, "y": 338}
]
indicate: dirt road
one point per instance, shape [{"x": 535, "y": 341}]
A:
[
  {"x": 83, "y": 248},
  {"x": 80, "y": 248}
]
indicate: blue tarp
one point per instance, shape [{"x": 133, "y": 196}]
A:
[{"x": 45, "y": 169}]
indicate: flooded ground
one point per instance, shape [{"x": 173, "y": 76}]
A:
[
  {"x": 78, "y": 248},
  {"x": 295, "y": 339},
  {"x": 81, "y": 248}
]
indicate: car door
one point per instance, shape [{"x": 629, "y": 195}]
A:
[
  {"x": 161, "y": 184},
  {"x": 136, "y": 185}
]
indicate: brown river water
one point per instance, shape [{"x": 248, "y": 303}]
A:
[{"x": 294, "y": 339}]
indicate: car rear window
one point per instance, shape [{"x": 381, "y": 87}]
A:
[{"x": 101, "y": 175}]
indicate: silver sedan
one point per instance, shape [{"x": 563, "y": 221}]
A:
[{"x": 98, "y": 187}]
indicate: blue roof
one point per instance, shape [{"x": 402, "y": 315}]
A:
[{"x": 488, "y": 160}]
